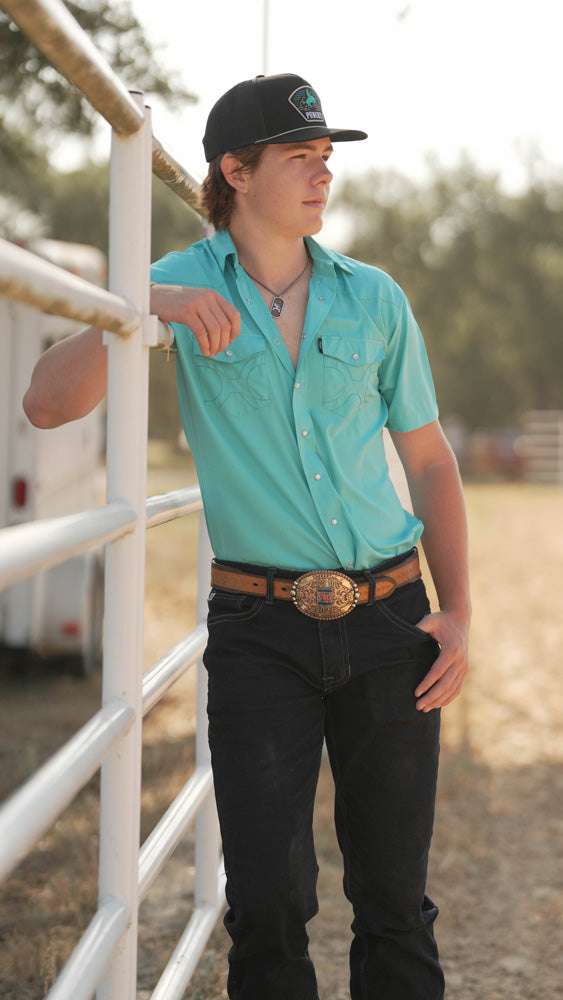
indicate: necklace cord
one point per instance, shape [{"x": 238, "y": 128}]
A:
[
  {"x": 278, "y": 300},
  {"x": 284, "y": 290}
]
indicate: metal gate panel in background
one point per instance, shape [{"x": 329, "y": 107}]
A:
[{"x": 105, "y": 958}]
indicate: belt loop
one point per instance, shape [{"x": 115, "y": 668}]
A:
[
  {"x": 371, "y": 592},
  {"x": 271, "y": 572}
]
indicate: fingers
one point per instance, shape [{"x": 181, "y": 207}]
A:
[
  {"x": 212, "y": 330},
  {"x": 441, "y": 685},
  {"x": 213, "y": 320},
  {"x": 444, "y": 681}
]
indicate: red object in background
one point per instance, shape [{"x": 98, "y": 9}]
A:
[{"x": 19, "y": 492}]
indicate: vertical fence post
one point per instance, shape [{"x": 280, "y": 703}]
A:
[
  {"x": 129, "y": 259},
  {"x": 207, "y": 824}
]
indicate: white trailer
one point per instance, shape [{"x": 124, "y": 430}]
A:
[{"x": 48, "y": 473}]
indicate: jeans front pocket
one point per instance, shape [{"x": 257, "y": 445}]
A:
[
  {"x": 232, "y": 607},
  {"x": 407, "y": 606}
]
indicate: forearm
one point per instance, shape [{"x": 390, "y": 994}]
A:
[
  {"x": 438, "y": 501},
  {"x": 71, "y": 377},
  {"x": 68, "y": 381}
]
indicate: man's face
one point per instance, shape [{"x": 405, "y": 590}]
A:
[{"x": 289, "y": 189}]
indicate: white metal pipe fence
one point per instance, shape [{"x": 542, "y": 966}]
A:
[{"x": 105, "y": 958}]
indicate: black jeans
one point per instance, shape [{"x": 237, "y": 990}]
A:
[{"x": 279, "y": 684}]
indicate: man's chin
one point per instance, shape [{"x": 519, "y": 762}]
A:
[{"x": 314, "y": 227}]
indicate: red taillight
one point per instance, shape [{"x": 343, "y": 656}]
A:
[
  {"x": 70, "y": 628},
  {"x": 19, "y": 492}
]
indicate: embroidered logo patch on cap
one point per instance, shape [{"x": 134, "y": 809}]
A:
[{"x": 308, "y": 104}]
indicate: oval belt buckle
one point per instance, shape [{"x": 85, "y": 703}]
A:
[{"x": 325, "y": 594}]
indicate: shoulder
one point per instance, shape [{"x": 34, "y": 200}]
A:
[
  {"x": 193, "y": 266},
  {"x": 366, "y": 281},
  {"x": 370, "y": 282}
]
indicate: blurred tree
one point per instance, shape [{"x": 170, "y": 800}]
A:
[
  {"x": 484, "y": 273},
  {"x": 38, "y": 106},
  {"x": 35, "y": 93},
  {"x": 76, "y": 208}
]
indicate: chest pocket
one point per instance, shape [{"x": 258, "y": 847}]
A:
[
  {"x": 350, "y": 372},
  {"x": 235, "y": 381}
]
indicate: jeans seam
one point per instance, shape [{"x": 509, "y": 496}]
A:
[
  {"x": 237, "y": 617},
  {"x": 335, "y": 765},
  {"x": 396, "y": 620},
  {"x": 363, "y": 969}
]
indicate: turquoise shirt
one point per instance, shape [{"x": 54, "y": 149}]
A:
[{"x": 291, "y": 464}]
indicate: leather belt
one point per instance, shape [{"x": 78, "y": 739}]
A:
[{"x": 323, "y": 594}]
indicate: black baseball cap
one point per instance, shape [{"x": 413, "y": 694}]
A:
[{"x": 268, "y": 109}]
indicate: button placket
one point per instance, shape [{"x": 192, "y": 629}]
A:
[{"x": 327, "y": 502}]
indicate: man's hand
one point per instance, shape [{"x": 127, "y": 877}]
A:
[
  {"x": 213, "y": 320},
  {"x": 444, "y": 681}
]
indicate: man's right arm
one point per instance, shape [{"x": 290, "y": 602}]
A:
[{"x": 70, "y": 379}]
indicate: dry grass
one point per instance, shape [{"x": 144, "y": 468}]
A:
[{"x": 497, "y": 856}]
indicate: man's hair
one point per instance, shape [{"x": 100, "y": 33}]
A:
[{"x": 217, "y": 198}]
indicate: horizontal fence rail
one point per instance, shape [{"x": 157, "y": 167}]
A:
[
  {"x": 28, "y": 278},
  {"x": 541, "y": 446},
  {"x": 166, "y": 506},
  {"x": 182, "y": 964},
  {"x": 35, "y": 807},
  {"x": 174, "y": 176},
  {"x": 30, "y": 548},
  {"x": 26, "y": 549},
  {"x": 169, "y": 831},
  {"x": 88, "y": 962},
  {"x": 166, "y": 671},
  {"x": 48, "y": 24}
]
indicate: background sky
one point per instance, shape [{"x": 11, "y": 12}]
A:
[{"x": 438, "y": 78}]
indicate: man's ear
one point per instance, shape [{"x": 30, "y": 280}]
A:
[{"x": 232, "y": 173}]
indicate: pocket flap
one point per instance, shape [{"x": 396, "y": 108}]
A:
[
  {"x": 352, "y": 351},
  {"x": 243, "y": 347}
]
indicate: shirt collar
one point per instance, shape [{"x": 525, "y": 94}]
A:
[
  {"x": 325, "y": 261},
  {"x": 223, "y": 248}
]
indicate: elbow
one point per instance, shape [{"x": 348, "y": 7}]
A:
[{"x": 38, "y": 412}]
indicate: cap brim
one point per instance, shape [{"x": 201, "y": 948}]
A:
[{"x": 310, "y": 132}]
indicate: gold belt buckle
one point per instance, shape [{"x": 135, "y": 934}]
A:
[{"x": 325, "y": 594}]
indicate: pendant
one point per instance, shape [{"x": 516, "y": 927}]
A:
[{"x": 276, "y": 306}]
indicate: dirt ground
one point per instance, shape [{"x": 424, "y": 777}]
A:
[{"x": 497, "y": 856}]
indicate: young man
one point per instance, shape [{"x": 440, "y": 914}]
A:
[{"x": 291, "y": 361}]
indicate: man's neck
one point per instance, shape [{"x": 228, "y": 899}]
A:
[{"x": 275, "y": 262}]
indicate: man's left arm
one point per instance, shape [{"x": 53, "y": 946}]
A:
[{"x": 437, "y": 497}]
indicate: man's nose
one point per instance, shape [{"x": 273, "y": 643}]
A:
[{"x": 323, "y": 174}]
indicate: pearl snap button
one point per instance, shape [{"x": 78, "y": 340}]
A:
[
  {"x": 355, "y": 357},
  {"x": 334, "y": 521}
]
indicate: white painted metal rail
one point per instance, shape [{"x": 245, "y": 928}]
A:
[{"x": 105, "y": 958}]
